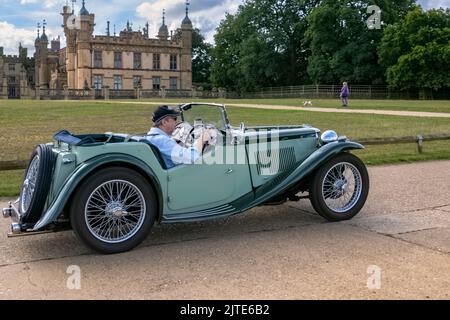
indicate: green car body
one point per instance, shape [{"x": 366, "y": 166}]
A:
[{"x": 193, "y": 192}]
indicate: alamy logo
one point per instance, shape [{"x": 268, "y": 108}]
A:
[
  {"x": 73, "y": 22},
  {"x": 74, "y": 280},
  {"x": 374, "y": 21},
  {"x": 374, "y": 280},
  {"x": 262, "y": 147}
]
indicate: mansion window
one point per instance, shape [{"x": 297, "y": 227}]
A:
[
  {"x": 137, "y": 82},
  {"x": 156, "y": 61},
  {"x": 98, "y": 82},
  {"x": 137, "y": 61},
  {"x": 117, "y": 82},
  {"x": 98, "y": 61},
  {"x": 173, "y": 62},
  {"x": 173, "y": 84},
  {"x": 12, "y": 80},
  {"x": 118, "y": 60},
  {"x": 12, "y": 67},
  {"x": 156, "y": 83}
]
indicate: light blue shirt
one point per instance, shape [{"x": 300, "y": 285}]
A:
[{"x": 172, "y": 153}]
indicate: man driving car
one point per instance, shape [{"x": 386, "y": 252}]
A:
[{"x": 165, "y": 122}]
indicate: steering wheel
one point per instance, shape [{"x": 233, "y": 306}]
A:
[
  {"x": 183, "y": 133},
  {"x": 187, "y": 134}
]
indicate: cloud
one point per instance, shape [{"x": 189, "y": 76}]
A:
[
  {"x": 19, "y": 21},
  {"x": 11, "y": 36},
  {"x": 47, "y": 3},
  {"x": 152, "y": 12},
  {"x": 428, "y": 4},
  {"x": 204, "y": 14}
]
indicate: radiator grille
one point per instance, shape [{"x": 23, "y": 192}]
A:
[{"x": 275, "y": 161}]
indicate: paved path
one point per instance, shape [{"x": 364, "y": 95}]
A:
[
  {"x": 284, "y": 252},
  {"x": 316, "y": 109},
  {"x": 343, "y": 110}
]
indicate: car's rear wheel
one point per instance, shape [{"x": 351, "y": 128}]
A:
[
  {"x": 36, "y": 183},
  {"x": 339, "y": 189},
  {"x": 113, "y": 210}
]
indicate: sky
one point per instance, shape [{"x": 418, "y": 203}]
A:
[{"x": 18, "y": 18}]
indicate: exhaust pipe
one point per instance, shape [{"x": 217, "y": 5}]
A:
[
  {"x": 16, "y": 228},
  {"x": 11, "y": 212},
  {"x": 7, "y": 213},
  {"x": 19, "y": 229}
]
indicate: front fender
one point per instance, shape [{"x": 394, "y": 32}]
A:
[
  {"x": 324, "y": 154},
  {"x": 72, "y": 182},
  {"x": 308, "y": 166}
]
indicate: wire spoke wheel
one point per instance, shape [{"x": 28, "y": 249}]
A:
[
  {"x": 115, "y": 211},
  {"x": 342, "y": 186},
  {"x": 36, "y": 184},
  {"x": 29, "y": 184}
]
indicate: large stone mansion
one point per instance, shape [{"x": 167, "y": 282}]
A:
[
  {"x": 126, "y": 61},
  {"x": 16, "y": 74}
]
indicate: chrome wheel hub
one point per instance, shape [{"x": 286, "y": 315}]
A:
[
  {"x": 340, "y": 187},
  {"x": 115, "y": 209}
]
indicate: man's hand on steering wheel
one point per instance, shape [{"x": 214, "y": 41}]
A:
[
  {"x": 202, "y": 141},
  {"x": 205, "y": 136}
]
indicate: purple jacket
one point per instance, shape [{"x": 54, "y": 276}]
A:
[{"x": 345, "y": 92}]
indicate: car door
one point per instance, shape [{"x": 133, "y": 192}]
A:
[{"x": 207, "y": 184}]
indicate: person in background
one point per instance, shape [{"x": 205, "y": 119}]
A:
[{"x": 345, "y": 93}]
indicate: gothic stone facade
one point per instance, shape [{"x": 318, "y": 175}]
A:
[
  {"x": 16, "y": 74},
  {"x": 122, "y": 62}
]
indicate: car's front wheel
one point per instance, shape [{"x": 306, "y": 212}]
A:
[
  {"x": 113, "y": 210},
  {"x": 339, "y": 189}
]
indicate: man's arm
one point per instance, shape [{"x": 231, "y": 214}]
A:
[
  {"x": 181, "y": 155},
  {"x": 169, "y": 148}
]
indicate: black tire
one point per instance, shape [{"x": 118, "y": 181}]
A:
[
  {"x": 79, "y": 206},
  {"x": 32, "y": 202},
  {"x": 316, "y": 192}
]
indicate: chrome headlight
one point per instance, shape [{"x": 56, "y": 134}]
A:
[{"x": 329, "y": 136}]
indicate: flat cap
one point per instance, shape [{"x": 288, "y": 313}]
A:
[{"x": 162, "y": 112}]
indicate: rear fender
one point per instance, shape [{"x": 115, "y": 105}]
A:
[{"x": 82, "y": 172}]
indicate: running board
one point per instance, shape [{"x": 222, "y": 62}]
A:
[{"x": 30, "y": 233}]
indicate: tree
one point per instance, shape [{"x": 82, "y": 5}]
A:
[
  {"x": 201, "y": 58},
  {"x": 262, "y": 45},
  {"x": 342, "y": 46},
  {"x": 416, "y": 51},
  {"x": 233, "y": 30}
]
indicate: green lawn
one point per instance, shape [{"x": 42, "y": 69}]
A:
[
  {"x": 23, "y": 124},
  {"x": 10, "y": 183}
]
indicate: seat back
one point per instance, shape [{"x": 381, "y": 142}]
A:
[
  {"x": 157, "y": 154},
  {"x": 155, "y": 150}
]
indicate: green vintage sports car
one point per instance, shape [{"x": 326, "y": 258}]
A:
[{"x": 111, "y": 188}]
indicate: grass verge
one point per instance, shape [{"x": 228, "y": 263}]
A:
[{"x": 24, "y": 124}]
